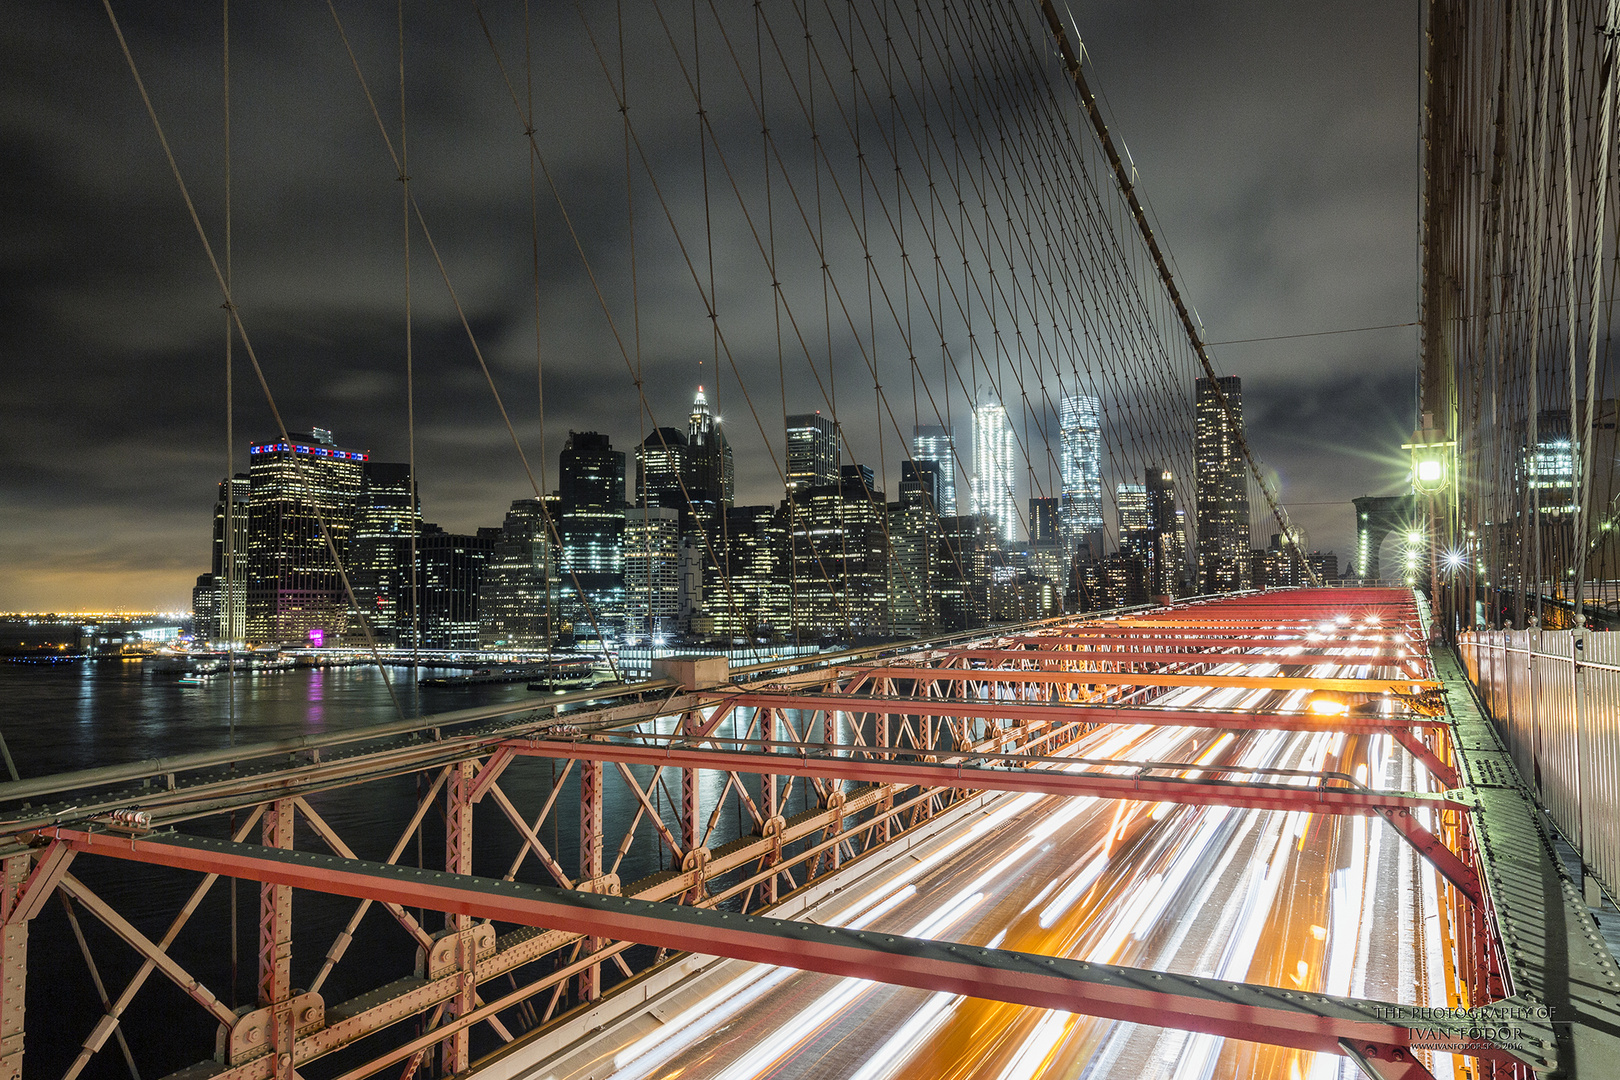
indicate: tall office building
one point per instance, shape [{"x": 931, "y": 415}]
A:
[
  {"x": 661, "y": 469},
  {"x": 652, "y": 571},
  {"x": 708, "y": 454},
  {"x": 387, "y": 516},
  {"x": 838, "y": 559},
  {"x": 935, "y": 444},
  {"x": 920, "y": 481},
  {"x": 228, "y": 621},
  {"x": 1080, "y": 425},
  {"x": 517, "y": 595},
  {"x": 812, "y": 451},
  {"x": 294, "y": 591},
  {"x": 1135, "y": 527},
  {"x": 1221, "y": 484},
  {"x": 1044, "y": 525},
  {"x": 1167, "y": 549},
  {"x": 993, "y": 476},
  {"x": 449, "y": 576},
  {"x": 591, "y": 526},
  {"x": 751, "y": 595}
]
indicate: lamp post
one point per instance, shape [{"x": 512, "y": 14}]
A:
[{"x": 1433, "y": 466}]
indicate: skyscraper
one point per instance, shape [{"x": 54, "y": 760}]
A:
[
  {"x": 652, "y": 558},
  {"x": 993, "y": 476},
  {"x": 230, "y": 562},
  {"x": 1167, "y": 549},
  {"x": 812, "y": 451},
  {"x": 450, "y": 574},
  {"x": 1043, "y": 521},
  {"x": 294, "y": 590},
  {"x": 1221, "y": 484},
  {"x": 591, "y": 526},
  {"x": 1080, "y": 424},
  {"x": 387, "y": 516},
  {"x": 1135, "y": 525},
  {"x": 516, "y": 597},
  {"x": 935, "y": 444}
]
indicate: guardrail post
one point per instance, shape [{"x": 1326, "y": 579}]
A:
[
  {"x": 13, "y": 966},
  {"x": 455, "y": 1051},
  {"x": 590, "y": 862},
  {"x": 275, "y": 943},
  {"x": 768, "y": 797}
]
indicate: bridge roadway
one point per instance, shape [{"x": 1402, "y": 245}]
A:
[
  {"x": 1291, "y": 899},
  {"x": 1091, "y": 876}
]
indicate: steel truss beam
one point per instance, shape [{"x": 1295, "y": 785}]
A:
[
  {"x": 959, "y": 771},
  {"x": 1066, "y": 652},
  {"x": 1314, "y": 1022},
  {"x": 1146, "y": 678},
  {"x": 995, "y": 708},
  {"x": 1395, "y": 807}
]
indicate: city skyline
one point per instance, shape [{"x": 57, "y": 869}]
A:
[{"x": 103, "y": 511}]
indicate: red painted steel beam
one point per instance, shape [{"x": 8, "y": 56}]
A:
[
  {"x": 1257, "y": 656},
  {"x": 981, "y": 708},
  {"x": 1315, "y": 1022},
  {"x": 1147, "y": 678},
  {"x": 1260, "y": 634},
  {"x": 1181, "y": 641},
  {"x": 1211, "y": 792}
]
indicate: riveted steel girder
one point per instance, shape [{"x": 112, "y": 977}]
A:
[{"x": 1315, "y": 1022}]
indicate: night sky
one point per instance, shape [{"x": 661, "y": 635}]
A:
[{"x": 1277, "y": 144}]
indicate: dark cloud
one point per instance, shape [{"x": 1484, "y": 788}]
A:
[{"x": 1276, "y": 143}]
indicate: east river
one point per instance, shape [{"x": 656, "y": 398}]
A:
[{"x": 58, "y": 718}]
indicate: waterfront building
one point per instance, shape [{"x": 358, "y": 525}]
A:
[
  {"x": 934, "y": 445},
  {"x": 517, "y": 596},
  {"x": 229, "y": 566},
  {"x": 295, "y": 593},
  {"x": 590, "y": 523},
  {"x": 751, "y": 594},
  {"x": 1221, "y": 485},
  {"x": 993, "y": 476},
  {"x": 652, "y": 572},
  {"x": 812, "y": 452},
  {"x": 1080, "y": 461},
  {"x": 388, "y": 515},
  {"x": 450, "y": 571},
  {"x": 204, "y": 607}
]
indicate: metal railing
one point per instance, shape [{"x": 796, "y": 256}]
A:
[{"x": 1555, "y": 697}]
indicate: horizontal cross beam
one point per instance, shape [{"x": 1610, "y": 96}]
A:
[
  {"x": 1065, "y": 652},
  {"x": 1314, "y": 1022},
  {"x": 1148, "y": 678},
  {"x": 981, "y": 708},
  {"x": 963, "y": 773}
]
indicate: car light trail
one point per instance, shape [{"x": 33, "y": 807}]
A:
[{"x": 1289, "y": 898}]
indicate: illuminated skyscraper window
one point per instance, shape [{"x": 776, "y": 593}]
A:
[
  {"x": 1221, "y": 484},
  {"x": 1080, "y": 422},
  {"x": 812, "y": 451},
  {"x": 935, "y": 444},
  {"x": 993, "y": 471}
]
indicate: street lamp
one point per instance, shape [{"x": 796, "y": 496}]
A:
[{"x": 1433, "y": 466}]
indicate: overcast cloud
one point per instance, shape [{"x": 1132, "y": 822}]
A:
[{"x": 1276, "y": 143}]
